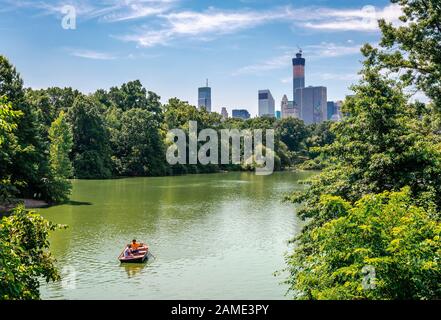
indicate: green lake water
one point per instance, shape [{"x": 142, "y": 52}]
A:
[{"x": 214, "y": 236}]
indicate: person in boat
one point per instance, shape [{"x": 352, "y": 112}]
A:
[
  {"x": 128, "y": 252},
  {"x": 134, "y": 246}
]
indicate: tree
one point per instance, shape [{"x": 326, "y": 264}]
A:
[
  {"x": 380, "y": 146},
  {"x": 91, "y": 152},
  {"x": 61, "y": 140},
  {"x": 49, "y": 102},
  {"x": 8, "y": 119},
  {"x": 293, "y": 133},
  {"x": 138, "y": 145},
  {"x": 131, "y": 95},
  {"x": 24, "y": 257},
  {"x": 8, "y": 149},
  {"x": 30, "y": 165},
  {"x": 383, "y": 247},
  {"x": 413, "y": 48}
]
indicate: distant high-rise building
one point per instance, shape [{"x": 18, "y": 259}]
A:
[
  {"x": 266, "y": 104},
  {"x": 288, "y": 109},
  {"x": 278, "y": 114},
  {"x": 334, "y": 110},
  {"x": 330, "y": 110},
  {"x": 224, "y": 113},
  {"x": 240, "y": 114},
  {"x": 298, "y": 64},
  {"x": 204, "y": 98},
  {"x": 312, "y": 103}
]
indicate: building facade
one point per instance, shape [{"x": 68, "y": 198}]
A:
[
  {"x": 288, "y": 109},
  {"x": 204, "y": 98},
  {"x": 298, "y": 64},
  {"x": 224, "y": 113},
  {"x": 240, "y": 114},
  {"x": 266, "y": 104},
  {"x": 312, "y": 103},
  {"x": 331, "y": 110}
]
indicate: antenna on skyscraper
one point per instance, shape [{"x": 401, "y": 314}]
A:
[
  {"x": 207, "y": 83},
  {"x": 300, "y": 49}
]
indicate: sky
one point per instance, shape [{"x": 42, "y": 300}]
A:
[{"x": 173, "y": 46}]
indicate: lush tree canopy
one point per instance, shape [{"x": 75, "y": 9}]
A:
[
  {"x": 413, "y": 48},
  {"x": 358, "y": 214},
  {"x": 384, "y": 234},
  {"x": 24, "y": 258}
]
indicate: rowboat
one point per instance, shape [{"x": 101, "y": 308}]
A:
[{"x": 138, "y": 257}]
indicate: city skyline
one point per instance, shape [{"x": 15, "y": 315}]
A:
[{"x": 160, "y": 42}]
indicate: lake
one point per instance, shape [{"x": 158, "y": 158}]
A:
[{"x": 214, "y": 236}]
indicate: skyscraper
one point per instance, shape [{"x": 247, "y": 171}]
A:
[
  {"x": 266, "y": 104},
  {"x": 204, "y": 98},
  {"x": 313, "y": 104},
  {"x": 240, "y": 114},
  {"x": 298, "y": 64},
  {"x": 288, "y": 109},
  {"x": 331, "y": 110},
  {"x": 224, "y": 113},
  {"x": 310, "y": 103}
]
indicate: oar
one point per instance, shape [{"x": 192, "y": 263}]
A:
[{"x": 151, "y": 254}]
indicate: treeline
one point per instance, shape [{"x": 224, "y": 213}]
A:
[
  {"x": 373, "y": 214},
  {"x": 56, "y": 134}
]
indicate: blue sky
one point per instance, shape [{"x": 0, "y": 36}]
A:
[{"x": 172, "y": 46}]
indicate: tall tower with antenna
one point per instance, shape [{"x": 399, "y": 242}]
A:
[
  {"x": 204, "y": 97},
  {"x": 298, "y": 64}
]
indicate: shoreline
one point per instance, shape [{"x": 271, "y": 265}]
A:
[{"x": 28, "y": 203}]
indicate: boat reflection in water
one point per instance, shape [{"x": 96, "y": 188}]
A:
[{"x": 133, "y": 269}]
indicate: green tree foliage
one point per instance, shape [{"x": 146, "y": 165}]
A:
[
  {"x": 131, "y": 95},
  {"x": 380, "y": 146},
  {"x": 293, "y": 133},
  {"x": 8, "y": 119},
  {"x": 24, "y": 258},
  {"x": 138, "y": 145},
  {"x": 49, "y": 102},
  {"x": 384, "y": 144},
  {"x": 413, "y": 48},
  {"x": 30, "y": 164},
  {"x": 8, "y": 148},
  {"x": 177, "y": 115},
  {"x": 61, "y": 143},
  {"x": 383, "y": 247},
  {"x": 91, "y": 152}
]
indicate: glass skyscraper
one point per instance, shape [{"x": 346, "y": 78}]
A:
[
  {"x": 204, "y": 98},
  {"x": 240, "y": 114}
]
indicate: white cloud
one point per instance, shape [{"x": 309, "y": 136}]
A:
[
  {"x": 275, "y": 63},
  {"x": 199, "y": 25},
  {"x": 167, "y": 22},
  {"x": 313, "y": 52},
  {"x": 214, "y": 22},
  {"x": 362, "y": 20},
  {"x": 331, "y": 50},
  {"x": 103, "y": 10},
  {"x": 337, "y": 76},
  {"x": 94, "y": 55}
]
